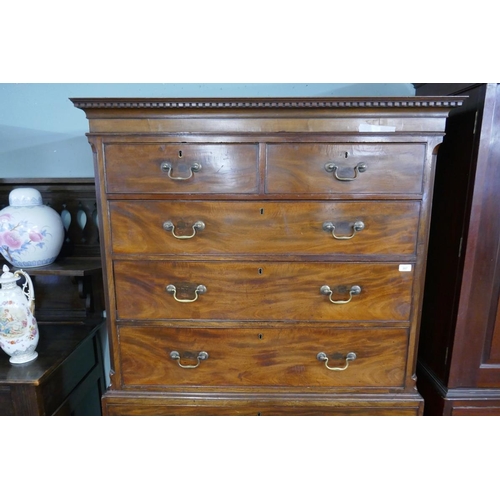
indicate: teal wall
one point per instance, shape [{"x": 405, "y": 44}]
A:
[{"x": 43, "y": 135}]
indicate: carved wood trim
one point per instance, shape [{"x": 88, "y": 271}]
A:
[{"x": 245, "y": 103}]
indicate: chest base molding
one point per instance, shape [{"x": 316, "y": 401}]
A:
[{"x": 117, "y": 403}]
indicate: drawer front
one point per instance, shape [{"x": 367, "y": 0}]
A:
[
  {"x": 155, "y": 356},
  {"x": 181, "y": 168},
  {"x": 263, "y": 291},
  {"x": 220, "y": 228},
  {"x": 362, "y": 168}
]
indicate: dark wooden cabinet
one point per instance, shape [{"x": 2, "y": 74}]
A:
[
  {"x": 264, "y": 256},
  {"x": 459, "y": 354},
  {"x": 67, "y": 377}
]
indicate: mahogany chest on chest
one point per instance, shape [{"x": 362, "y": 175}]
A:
[{"x": 264, "y": 256}]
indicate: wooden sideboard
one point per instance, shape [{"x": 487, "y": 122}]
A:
[
  {"x": 459, "y": 355},
  {"x": 68, "y": 376},
  {"x": 264, "y": 256}
]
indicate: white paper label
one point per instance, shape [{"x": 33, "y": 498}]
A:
[
  {"x": 405, "y": 267},
  {"x": 366, "y": 127}
]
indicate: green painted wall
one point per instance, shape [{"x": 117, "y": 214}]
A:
[{"x": 43, "y": 135}]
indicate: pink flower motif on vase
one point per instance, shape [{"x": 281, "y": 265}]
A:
[
  {"x": 12, "y": 240},
  {"x": 16, "y": 239},
  {"x": 35, "y": 236}
]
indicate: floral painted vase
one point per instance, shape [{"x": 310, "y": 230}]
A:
[
  {"x": 18, "y": 326},
  {"x": 31, "y": 233}
]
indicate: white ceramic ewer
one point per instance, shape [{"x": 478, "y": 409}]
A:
[{"x": 18, "y": 326}]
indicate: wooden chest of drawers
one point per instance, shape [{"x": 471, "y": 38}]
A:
[{"x": 264, "y": 256}]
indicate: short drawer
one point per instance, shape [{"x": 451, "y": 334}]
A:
[
  {"x": 181, "y": 168},
  {"x": 257, "y": 228},
  {"x": 349, "y": 168},
  {"x": 292, "y": 357},
  {"x": 263, "y": 291}
]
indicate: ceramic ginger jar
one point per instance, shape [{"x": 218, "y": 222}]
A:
[
  {"x": 18, "y": 326},
  {"x": 31, "y": 233}
]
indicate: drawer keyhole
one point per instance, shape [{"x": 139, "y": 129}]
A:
[
  {"x": 180, "y": 154},
  {"x": 261, "y": 270},
  {"x": 261, "y": 211},
  {"x": 261, "y": 336}
]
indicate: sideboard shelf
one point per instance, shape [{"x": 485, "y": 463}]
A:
[
  {"x": 65, "y": 379},
  {"x": 68, "y": 376}
]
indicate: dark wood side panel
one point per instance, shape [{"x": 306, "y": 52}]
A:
[
  {"x": 6, "y": 404},
  {"x": 451, "y": 204},
  {"x": 481, "y": 280},
  {"x": 459, "y": 354}
]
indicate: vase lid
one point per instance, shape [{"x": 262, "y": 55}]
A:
[
  {"x": 25, "y": 197},
  {"x": 7, "y": 276}
]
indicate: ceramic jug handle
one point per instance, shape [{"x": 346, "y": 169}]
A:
[{"x": 30, "y": 294}]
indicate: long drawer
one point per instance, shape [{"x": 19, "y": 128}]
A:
[
  {"x": 181, "y": 168},
  {"x": 293, "y": 357},
  {"x": 352, "y": 168},
  {"x": 263, "y": 290},
  {"x": 220, "y": 228}
]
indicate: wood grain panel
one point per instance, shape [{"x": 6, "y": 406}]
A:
[
  {"x": 262, "y": 291},
  {"x": 300, "y": 168},
  {"x": 249, "y": 408},
  {"x": 253, "y": 228},
  {"x": 263, "y": 357},
  {"x": 225, "y": 168}
]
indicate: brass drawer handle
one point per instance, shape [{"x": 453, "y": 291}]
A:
[
  {"x": 198, "y": 225},
  {"x": 359, "y": 168},
  {"x": 350, "y": 356},
  {"x": 356, "y": 227},
  {"x": 200, "y": 289},
  {"x": 326, "y": 290},
  {"x": 201, "y": 357},
  {"x": 167, "y": 167}
]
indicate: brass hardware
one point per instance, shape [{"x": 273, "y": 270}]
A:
[
  {"x": 200, "y": 289},
  {"x": 359, "y": 168},
  {"x": 198, "y": 225},
  {"x": 351, "y": 356},
  {"x": 356, "y": 227},
  {"x": 167, "y": 167},
  {"x": 326, "y": 290},
  {"x": 201, "y": 357}
]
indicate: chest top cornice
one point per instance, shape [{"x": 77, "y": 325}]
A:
[{"x": 267, "y": 115}]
